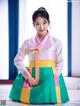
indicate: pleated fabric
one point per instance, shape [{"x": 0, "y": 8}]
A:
[{"x": 51, "y": 88}]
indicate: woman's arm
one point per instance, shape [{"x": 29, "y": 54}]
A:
[
  {"x": 59, "y": 56},
  {"x": 18, "y": 60}
]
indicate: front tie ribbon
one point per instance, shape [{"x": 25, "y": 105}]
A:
[{"x": 37, "y": 61}]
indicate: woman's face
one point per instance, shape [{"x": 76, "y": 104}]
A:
[{"x": 41, "y": 25}]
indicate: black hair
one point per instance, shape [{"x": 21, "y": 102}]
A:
[{"x": 40, "y": 12}]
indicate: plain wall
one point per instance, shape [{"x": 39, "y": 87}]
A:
[{"x": 76, "y": 38}]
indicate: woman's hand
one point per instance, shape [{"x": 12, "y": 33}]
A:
[
  {"x": 55, "y": 71},
  {"x": 33, "y": 81}
]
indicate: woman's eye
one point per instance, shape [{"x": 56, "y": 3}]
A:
[
  {"x": 37, "y": 23},
  {"x": 44, "y": 23}
]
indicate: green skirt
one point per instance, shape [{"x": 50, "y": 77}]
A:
[{"x": 45, "y": 92}]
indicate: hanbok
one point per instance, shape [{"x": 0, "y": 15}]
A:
[{"x": 45, "y": 57}]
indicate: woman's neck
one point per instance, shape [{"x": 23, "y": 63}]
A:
[{"x": 41, "y": 37}]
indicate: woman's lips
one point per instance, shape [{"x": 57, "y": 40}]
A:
[{"x": 41, "y": 30}]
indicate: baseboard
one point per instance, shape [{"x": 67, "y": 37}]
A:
[{"x": 6, "y": 81}]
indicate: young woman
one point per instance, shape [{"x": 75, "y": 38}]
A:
[{"x": 42, "y": 82}]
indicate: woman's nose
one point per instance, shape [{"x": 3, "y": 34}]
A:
[{"x": 41, "y": 26}]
